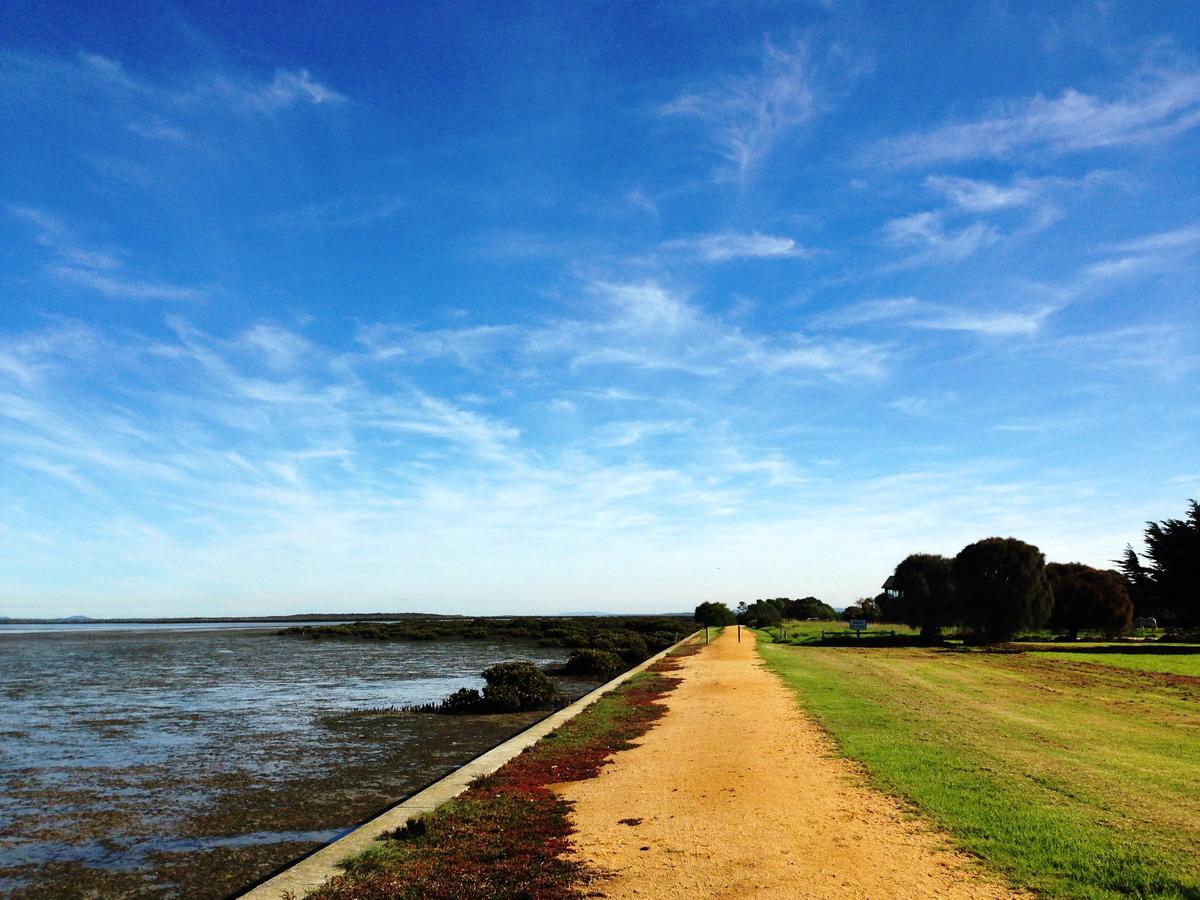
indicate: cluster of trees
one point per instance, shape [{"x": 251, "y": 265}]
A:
[
  {"x": 999, "y": 586},
  {"x": 1167, "y": 585},
  {"x": 862, "y": 608},
  {"x": 763, "y": 613}
]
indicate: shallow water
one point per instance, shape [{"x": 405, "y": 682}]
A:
[{"x": 193, "y": 762}]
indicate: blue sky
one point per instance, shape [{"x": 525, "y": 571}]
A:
[{"x": 553, "y": 307}]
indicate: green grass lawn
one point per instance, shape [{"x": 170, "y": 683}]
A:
[
  {"x": 1074, "y": 780},
  {"x": 805, "y": 632},
  {"x": 1172, "y": 659}
]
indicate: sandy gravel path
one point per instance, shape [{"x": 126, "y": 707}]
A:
[{"x": 735, "y": 793}]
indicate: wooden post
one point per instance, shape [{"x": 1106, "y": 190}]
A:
[{"x": 739, "y": 634}]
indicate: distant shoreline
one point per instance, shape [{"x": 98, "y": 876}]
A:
[
  {"x": 201, "y": 620},
  {"x": 305, "y": 617}
]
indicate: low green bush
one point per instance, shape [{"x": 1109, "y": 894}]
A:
[
  {"x": 517, "y": 687},
  {"x": 598, "y": 663},
  {"x": 464, "y": 700}
]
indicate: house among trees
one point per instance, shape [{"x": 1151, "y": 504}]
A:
[{"x": 891, "y": 588}]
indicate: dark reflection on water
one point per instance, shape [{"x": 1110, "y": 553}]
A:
[{"x": 168, "y": 754}]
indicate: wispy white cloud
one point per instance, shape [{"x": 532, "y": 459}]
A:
[
  {"x": 647, "y": 326},
  {"x": 469, "y": 347},
  {"x": 967, "y": 224},
  {"x": 909, "y": 312},
  {"x": 125, "y": 288},
  {"x": 867, "y": 311},
  {"x": 160, "y": 132},
  {"x": 102, "y": 68},
  {"x": 728, "y": 245},
  {"x": 634, "y": 326},
  {"x": 974, "y": 195},
  {"x": 287, "y": 88},
  {"x": 352, "y": 471},
  {"x": 774, "y": 467},
  {"x": 746, "y": 116},
  {"x": 202, "y": 113},
  {"x": 927, "y": 233},
  {"x": 979, "y": 196},
  {"x": 1187, "y": 237},
  {"x": 348, "y": 212},
  {"x": 638, "y": 199},
  {"x": 1158, "y": 104},
  {"x": 991, "y": 323},
  {"x": 280, "y": 348},
  {"x": 1166, "y": 350},
  {"x": 241, "y": 93},
  {"x": 13, "y": 367},
  {"x": 423, "y": 414},
  {"x": 629, "y": 433},
  {"x": 920, "y": 405},
  {"x": 517, "y": 244},
  {"x": 51, "y": 233},
  {"x": 1145, "y": 256},
  {"x": 102, "y": 271},
  {"x": 344, "y": 468}
]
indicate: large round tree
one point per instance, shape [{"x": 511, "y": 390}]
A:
[
  {"x": 1001, "y": 588},
  {"x": 1085, "y": 597},
  {"x": 923, "y": 587},
  {"x": 710, "y": 613}
]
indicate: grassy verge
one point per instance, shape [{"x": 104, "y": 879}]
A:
[
  {"x": 506, "y": 836},
  {"x": 806, "y": 632},
  {"x": 1074, "y": 780},
  {"x": 1171, "y": 659}
]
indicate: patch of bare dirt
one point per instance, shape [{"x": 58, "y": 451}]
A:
[{"x": 736, "y": 793}]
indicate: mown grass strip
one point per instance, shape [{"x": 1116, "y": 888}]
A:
[
  {"x": 1182, "y": 663},
  {"x": 1075, "y": 781},
  {"x": 507, "y": 835}
]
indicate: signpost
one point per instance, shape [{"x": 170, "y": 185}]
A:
[{"x": 858, "y": 626}]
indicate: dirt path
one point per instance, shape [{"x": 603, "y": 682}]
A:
[{"x": 735, "y": 794}]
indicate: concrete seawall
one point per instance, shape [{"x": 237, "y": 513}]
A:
[{"x": 314, "y": 870}]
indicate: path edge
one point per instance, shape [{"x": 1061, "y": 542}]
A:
[{"x": 316, "y": 868}]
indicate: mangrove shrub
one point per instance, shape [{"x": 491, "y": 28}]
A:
[
  {"x": 597, "y": 663},
  {"x": 516, "y": 687}
]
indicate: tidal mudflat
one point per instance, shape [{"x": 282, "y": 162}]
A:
[{"x": 192, "y": 763}]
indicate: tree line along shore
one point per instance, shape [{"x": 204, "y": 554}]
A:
[{"x": 997, "y": 588}]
